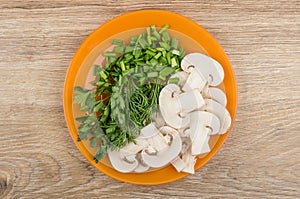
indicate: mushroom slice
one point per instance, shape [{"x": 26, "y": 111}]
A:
[
  {"x": 170, "y": 107},
  {"x": 190, "y": 161},
  {"x": 195, "y": 80},
  {"x": 190, "y": 101},
  {"x": 158, "y": 119},
  {"x": 121, "y": 163},
  {"x": 202, "y": 124},
  {"x": 149, "y": 131},
  {"x": 182, "y": 76},
  {"x": 162, "y": 158},
  {"x": 142, "y": 167},
  {"x": 134, "y": 148},
  {"x": 216, "y": 94},
  {"x": 220, "y": 111},
  {"x": 206, "y": 147},
  {"x": 178, "y": 164},
  {"x": 209, "y": 68},
  {"x": 158, "y": 142}
]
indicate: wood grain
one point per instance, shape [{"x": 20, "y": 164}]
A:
[{"x": 261, "y": 157}]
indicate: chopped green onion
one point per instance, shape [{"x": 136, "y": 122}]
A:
[
  {"x": 166, "y": 71},
  {"x": 174, "y": 43},
  {"x": 119, "y": 49},
  {"x": 164, "y": 28},
  {"x": 174, "y": 63},
  {"x": 152, "y": 74},
  {"x": 164, "y": 45},
  {"x": 117, "y": 42},
  {"x": 173, "y": 80},
  {"x": 110, "y": 54},
  {"x": 165, "y": 37}
]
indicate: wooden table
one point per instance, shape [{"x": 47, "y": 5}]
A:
[{"x": 260, "y": 158}]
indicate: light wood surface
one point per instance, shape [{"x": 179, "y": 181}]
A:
[{"x": 260, "y": 158}]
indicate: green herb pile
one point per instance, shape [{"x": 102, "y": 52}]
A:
[{"x": 127, "y": 89}]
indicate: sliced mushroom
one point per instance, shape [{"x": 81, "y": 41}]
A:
[
  {"x": 162, "y": 158},
  {"x": 149, "y": 131},
  {"x": 158, "y": 142},
  {"x": 170, "y": 107},
  {"x": 142, "y": 167},
  {"x": 182, "y": 76},
  {"x": 202, "y": 124},
  {"x": 134, "y": 148},
  {"x": 194, "y": 81},
  {"x": 216, "y": 94},
  {"x": 221, "y": 112},
  {"x": 158, "y": 119},
  {"x": 190, "y": 161},
  {"x": 206, "y": 147},
  {"x": 209, "y": 68},
  {"x": 122, "y": 163},
  {"x": 190, "y": 101},
  {"x": 178, "y": 164}
]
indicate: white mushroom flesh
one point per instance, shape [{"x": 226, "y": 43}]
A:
[
  {"x": 162, "y": 158},
  {"x": 210, "y": 69},
  {"x": 216, "y": 94},
  {"x": 220, "y": 111},
  {"x": 194, "y": 81}
]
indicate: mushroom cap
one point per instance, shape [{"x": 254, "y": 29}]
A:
[
  {"x": 220, "y": 111},
  {"x": 120, "y": 163},
  {"x": 170, "y": 108},
  {"x": 210, "y": 69},
  {"x": 216, "y": 94},
  {"x": 162, "y": 158}
]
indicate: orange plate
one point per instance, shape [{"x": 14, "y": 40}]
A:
[{"x": 141, "y": 19}]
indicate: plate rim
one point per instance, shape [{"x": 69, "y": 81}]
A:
[{"x": 214, "y": 49}]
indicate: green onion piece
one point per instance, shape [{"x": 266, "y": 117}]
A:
[
  {"x": 164, "y": 28},
  {"x": 153, "y": 62},
  {"x": 111, "y": 59},
  {"x": 166, "y": 71},
  {"x": 168, "y": 57},
  {"x": 157, "y": 55},
  {"x": 143, "y": 43},
  {"x": 173, "y": 80},
  {"x": 109, "y": 54},
  {"x": 164, "y": 45},
  {"x": 182, "y": 52},
  {"x": 149, "y": 36},
  {"x": 152, "y": 74},
  {"x": 162, "y": 77},
  {"x": 117, "y": 42},
  {"x": 174, "y": 43},
  {"x": 174, "y": 62},
  {"x": 176, "y": 52},
  {"x": 122, "y": 66},
  {"x": 119, "y": 49},
  {"x": 165, "y": 37},
  {"x": 103, "y": 74},
  {"x": 149, "y": 52},
  {"x": 128, "y": 49}
]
